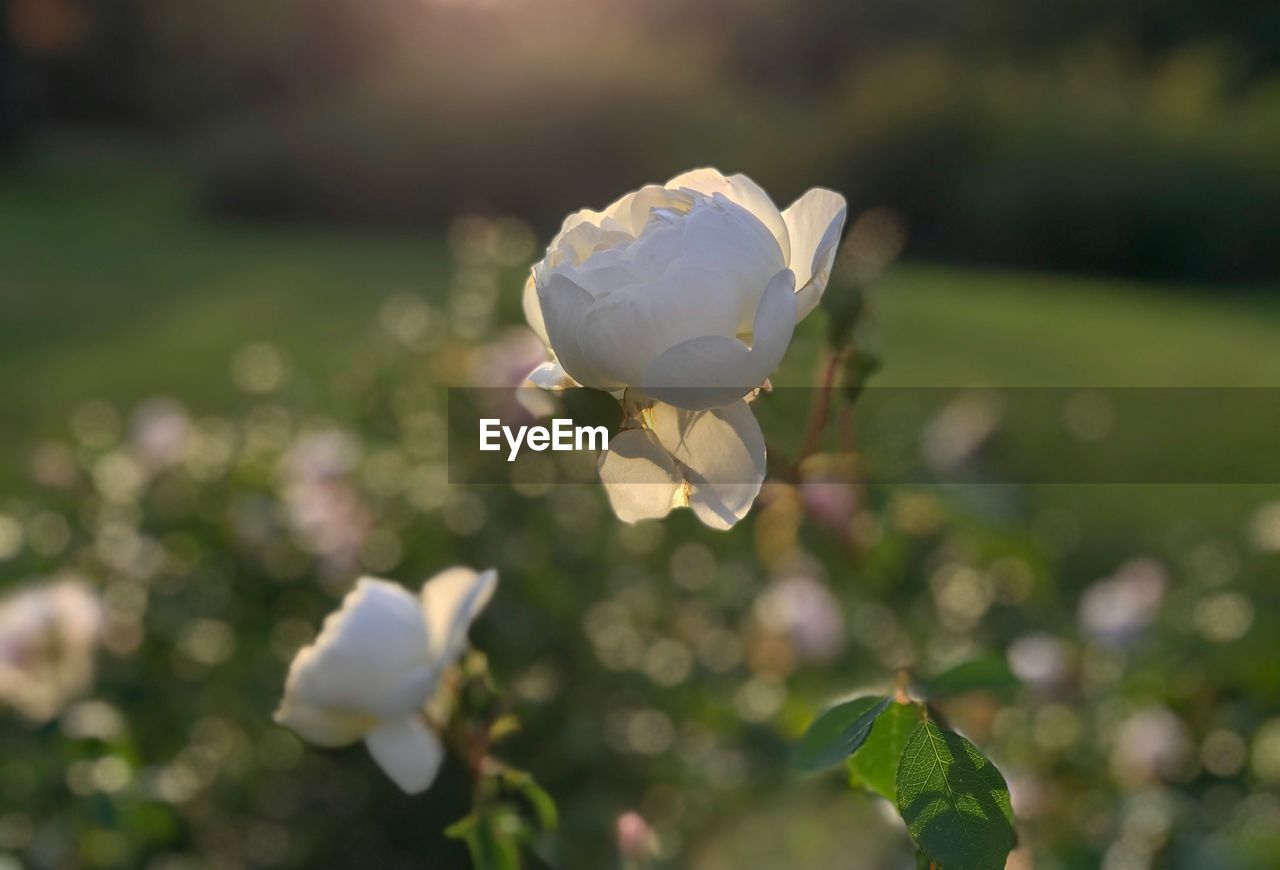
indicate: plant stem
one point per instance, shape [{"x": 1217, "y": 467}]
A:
[
  {"x": 847, "y": 430},
  {"x": 900, "y": 683},
  {"x": 818, "y": 417}
]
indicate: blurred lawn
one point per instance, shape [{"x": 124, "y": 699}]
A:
[{"x": 114, "y": 287}]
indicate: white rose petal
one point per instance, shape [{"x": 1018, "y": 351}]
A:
[
  {"x": 711, "y": 461},
  {"x": 564, "y": 306},
  {"x": 724, "y": 454},
  {"x": 533, "y": 310},
  {"x": 372, "y": 656},
  {"x": 323, "y": 727},
  {"x": 710, "y": 282},
  {"x": 451, "y": 601},
  {"x": 816, "y": 222},
  {"x": 407, "y": 751},
  {"x": 743, "y": 191},
  {"x": 640, "y": 476},
  {"x": 551, "y": 376},
  {"x": 715, "y": 371}
]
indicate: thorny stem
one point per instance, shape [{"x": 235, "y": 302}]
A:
[
  {"x": 470, "y": 742},
  {"x": 477, "y": 751},
  {"x": 471, "y": 745},
  {"x": 848, "y": 430},
  {"x": 818, "y": 416}
]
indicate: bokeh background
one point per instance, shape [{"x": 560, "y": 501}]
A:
[{"x": 245, "y": 247}]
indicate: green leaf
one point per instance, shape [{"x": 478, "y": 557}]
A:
[
  {"x": 954, "y": 801},
  {"x": 837, "y": 732},
  {"x": 875, "y": 765},
  {"x": 986, "y": 672}
]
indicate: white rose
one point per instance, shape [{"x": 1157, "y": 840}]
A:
[
  {"x": 682, "y": 299},
  {"x": 377, "y": 662},
  {"x": 687, "y": 292}
]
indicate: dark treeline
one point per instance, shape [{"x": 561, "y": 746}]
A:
[{"x": 1134, "y": 137}]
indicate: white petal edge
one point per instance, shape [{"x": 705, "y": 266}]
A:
[
  {"x": 322, "y": 727},
  {"x": 533, "y": 309},
  {"x": 723, "y": 451},
  {"x": 639, "y": 476},
  {"x": 815, "y": 222},
  {"x": 564, "y": 304},
  {"x": 626, "y": 331},
  {"x": 551, "y": 376},
  {"x": 714, "y": 371},
  {"x": 451, "y": 600},
  {"x": 745, "y": 192},
  {"x": 407, "y": 751},
  {"x": 371, "y": 658}
]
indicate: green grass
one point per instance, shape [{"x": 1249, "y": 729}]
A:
[
  {"x": 950, "y": 327},
  {"x": 113, "y": 286}
]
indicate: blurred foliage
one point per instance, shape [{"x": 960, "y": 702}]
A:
[{"x": 657, "y": 669}]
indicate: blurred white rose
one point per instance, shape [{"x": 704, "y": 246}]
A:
[
  {"x": 1040, "y": 660},
  {"x": 506, "y": 362},
  {"x": 1153, "y": 743},
  {"x": 324, "y": 507},
  {"x": 804, "y": 612},
  {"x": 1117, "y": 609},
  {"x": 376, "y": 664},
  {"x": 49, "y": 635},
  {"x": 160, "y": 432},
  {"x": 687, "y": 292},
  {"x": 959, "y": 430}
]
